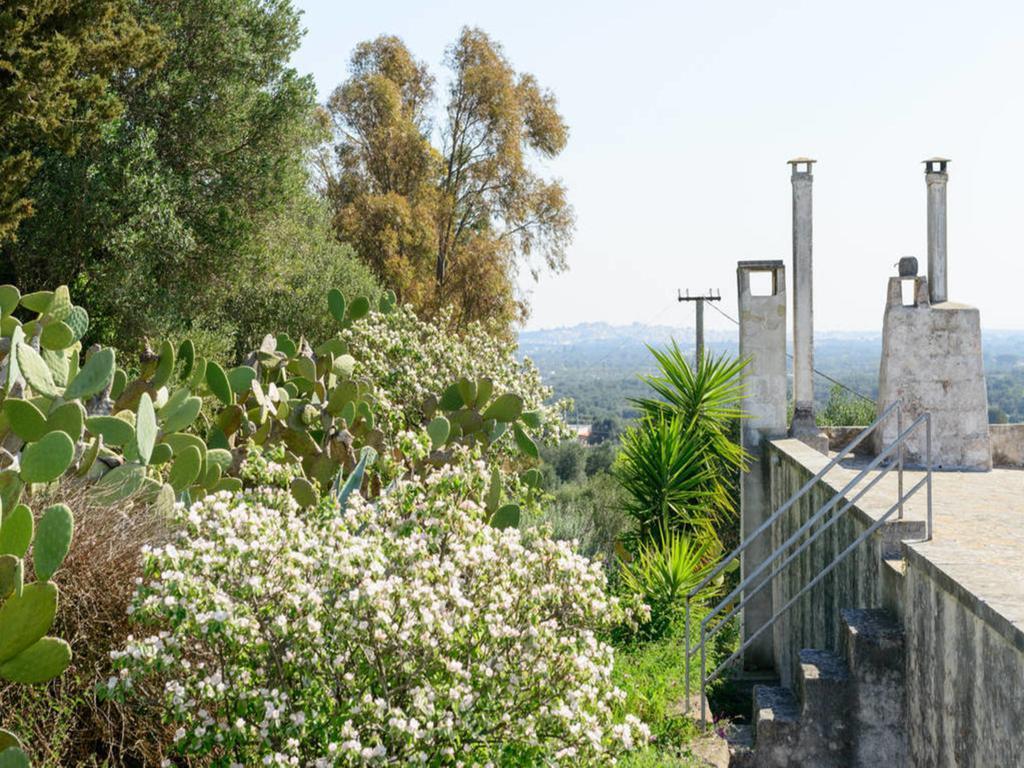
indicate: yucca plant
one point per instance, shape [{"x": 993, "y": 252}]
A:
[
  {"x": 664, "y": 569},
  {"x": 706, "y": 399},
  {"x": 663, "y": 467}
]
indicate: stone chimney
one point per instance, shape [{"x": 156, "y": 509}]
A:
[
  {"x": 936, "y": 177},
  {"x": 804, "y": 427}
]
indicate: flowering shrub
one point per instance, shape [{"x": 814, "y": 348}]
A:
[
  {"x": 409, "y": 360},
  {"x": 408, "y": 631}
]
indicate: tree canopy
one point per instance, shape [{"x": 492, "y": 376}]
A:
[
  {"x": 446, "y": 212},
  {"x": 59, "y": 62}
]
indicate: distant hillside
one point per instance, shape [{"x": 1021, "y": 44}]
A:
[{"x": 597, "y": 364}]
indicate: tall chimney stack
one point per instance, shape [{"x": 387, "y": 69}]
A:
[
  {"x": 935, "y": 177},
  {"x": 804, "y": 426}
]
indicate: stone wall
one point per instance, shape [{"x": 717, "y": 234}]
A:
[
  {"x": 964, "y": 661},
  {"x": 965, "y": 675},
  {"x": 813, "y": 621},
  {"x": 1007, "y": 445}
]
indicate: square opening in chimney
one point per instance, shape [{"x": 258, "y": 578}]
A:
[
  {"x": 762, "y": 282},
  {"x": 907, "y": 288}
]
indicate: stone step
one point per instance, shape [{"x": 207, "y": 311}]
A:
[
  {"x": 776, "y": 727},
  {"x": 740, "y": 739},
  {"x": 825, "y": 695},
  {"x": 873, "y": 642}
]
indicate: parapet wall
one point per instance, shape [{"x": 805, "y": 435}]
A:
[
  {"x": 1007, "y": 445},
  {"x": 964, "y": 659}
]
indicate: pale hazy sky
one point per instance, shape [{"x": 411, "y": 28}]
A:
[{"x": 683, "y": 115}]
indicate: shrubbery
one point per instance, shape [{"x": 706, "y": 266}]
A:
[{"x": 403, "y": 631}]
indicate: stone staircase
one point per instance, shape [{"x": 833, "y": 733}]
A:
[{"x": 848, "y": 707}]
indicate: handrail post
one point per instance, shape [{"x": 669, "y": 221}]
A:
[
  {"x": 899, "y": 455},
  {"x": 703, "y": 681},
  {"x": 687, "y": 654},
  {"x": 928, "y": 458}
]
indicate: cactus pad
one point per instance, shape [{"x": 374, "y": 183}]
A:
[
  {"x": 439, "y": 429},
  {"x": 145, "y": 428},
  {"x": 95, "y": 376},
  {"x": 53, "y": 540},
  {"x": 27, "y": 421},
  {"x": 218, "y": 383},
  {"x": 336, "y": 304},
  {"x": 186, "y": 468},
  {"x": 115, "y": 431},
  {"x": 47, "y": 459},
  {"x": 37, "y": 302},
  {"x": 43, "y": 660},
  {"x": 36, "y": 372},
  {"x": 16, "y": 531},
  {"x": 68, "y": 418},
  {"x": 57, "y": 335},
  {"x": 506, "y": 517},
  {"x": 505, "y": 408},
  {"x": 25, "y": 618}
]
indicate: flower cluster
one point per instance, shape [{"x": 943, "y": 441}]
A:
[
  {"x": 407, "y": 631},
  {"x": 409, "y": 360}
]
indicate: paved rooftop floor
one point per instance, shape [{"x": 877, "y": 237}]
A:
[{"x": 978, "y": 525}]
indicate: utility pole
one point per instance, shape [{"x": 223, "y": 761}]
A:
[{"x": 710, "y": 296}]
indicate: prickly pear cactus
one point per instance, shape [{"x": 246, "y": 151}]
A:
[{"x": 27, "y": 655}]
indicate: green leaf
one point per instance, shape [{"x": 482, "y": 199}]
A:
[
  {"x": 525, "y": 443},
  {"x": 60, "y": 304},
  {"x": 285, "y": 345},
  {"x": 451, "y": 399},
  {"x": 165, "y": 366},
  {"x": 37, "y": 302},
  {"x": 56, "y": 335},
  {"x": 44, "y": 660},
  {"x": 9, "y": 298},
  {"x": 120, "y": 483},
  {"x": 467, "y": 391},
  {"x": 78, "y": 320},
  {"x": 532, "y": 419},
  {"x": 68, "y": 418},
  {"x": 16, "y": 531},
  {"x": 53, "y": 540},
  {"x": 218, "y": 383},
  {"x": 162, "y": 453},
  {"x": 336, "y": 304},
  {"x": 187, "y": 357},
  {"x": 8, "y": 740},
  {"x": 185, "y": 469},
  {"x": 13, "y": 371},
  {"x": 115, "y": 431},
  {"x": 438, "y": 429},
  {"x": 13, "y": 757},
  {"x": 145, "y": 428},
  {"x": 10, "y": 575},
  {"x": 484, "y": 389},
  {"x": 505, "y": 408},
  {"x": 506, "y": 517},
  {"x": 359, "y": 308},
  {"x": 47, "y": 459},
  {"x": 36, "y": 372},
  {"x": 240, "y": 378},
  {"x": 493, "y": 491},
  {"x": 27, "y": 421},
  {"x": 183, "y": 415},
  {"x": 25, "y": 618},
  {"x": 303, "y": 492}
]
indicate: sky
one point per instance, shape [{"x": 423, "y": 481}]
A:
[{"x": 682, "y": 116}]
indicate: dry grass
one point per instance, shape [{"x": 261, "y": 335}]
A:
[{"x": 63, "y": 723}]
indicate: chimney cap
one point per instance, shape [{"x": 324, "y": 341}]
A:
[
  {"x": 936, "y": 164},
  {"x": 798, "y": 160}
]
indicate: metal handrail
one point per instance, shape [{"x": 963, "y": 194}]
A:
[
  {"x": 843, "y": 454},
  {"x": 896, "y": 446}
]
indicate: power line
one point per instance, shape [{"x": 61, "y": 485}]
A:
[{"x": 838, "y": 383}]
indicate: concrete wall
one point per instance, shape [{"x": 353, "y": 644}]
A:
[
  {"x": 965, "y": 675},
  {"x": 932, "y": 362},
  {"x": 1007, "y": 444},
  {"x": 813, "y": 621},
  {"x": 964, "y": 661},
  {"x": 763, "y": 342}
]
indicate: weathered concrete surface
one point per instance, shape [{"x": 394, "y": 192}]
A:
[
  {"x": 960, "y": 598},
  {"x": 932, "y": 362},
  {"x": 804, "y": 426},
  {"x": 1007, "y": 445},
  {"x": 874, "y": 644},
  {"x": 763, "y": 342},
  {"x": 1007, "y": 442},
  {"x": 935, "y": 178},
  {"x": 825, "y": 699}
]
